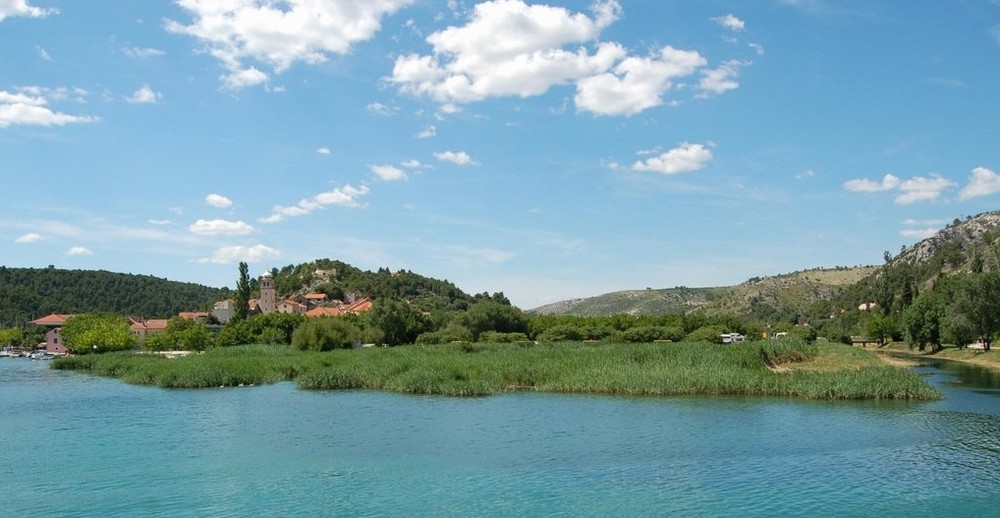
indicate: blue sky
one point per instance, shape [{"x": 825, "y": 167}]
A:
[{"x": 548, "y": 150}]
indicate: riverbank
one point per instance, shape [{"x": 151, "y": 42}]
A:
[
  {"x": 989, "y": 359},
  {"x": 820, "y": 371}
]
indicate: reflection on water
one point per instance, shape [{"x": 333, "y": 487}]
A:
[
  {"x": 966, "y": 387},
  {"x": 76, "y": 445}
]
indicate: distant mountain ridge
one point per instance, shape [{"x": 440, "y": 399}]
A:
[
  {"x": 759, "y": 296},
  {"x": 967, "y": 245}
]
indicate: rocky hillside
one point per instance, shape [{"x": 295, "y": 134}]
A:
[
  {"x": 764, "y": 297},
  {"x": 969, "y": 245}
]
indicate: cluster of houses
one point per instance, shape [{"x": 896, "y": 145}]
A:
[{"x": 310, "y": 305}]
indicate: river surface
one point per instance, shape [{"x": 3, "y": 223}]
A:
[{"x": 72, "y": 444}]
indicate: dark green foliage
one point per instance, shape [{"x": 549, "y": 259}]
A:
[
  {"x": 29, "y": 293},
  {"x": 271, "y": 329},
  {"x": 241, "y": 299},
  {"x": 180, "y": 334},
  {"x": 490, "y": 315},
  {"x": 399, "y": 322},
  {"x": 97, "y": 333},
  {"x": 453, "y": 332},
  {"x": 325, "y": 334}
]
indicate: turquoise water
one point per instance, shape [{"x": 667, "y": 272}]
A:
[{"x": 77, "y": 445}]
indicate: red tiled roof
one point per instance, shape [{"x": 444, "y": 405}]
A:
[
  {"x": 316, "y": 296},
  {"x": 155, "y": 324},
  {"x": 360, "y": 306},
  {"x": 52, "y": 320},
  {"x": 324, "y": 312},
  {"x": 192, "y": 315}
]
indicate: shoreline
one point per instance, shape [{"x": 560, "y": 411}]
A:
[{"x": 986, "y": 359}]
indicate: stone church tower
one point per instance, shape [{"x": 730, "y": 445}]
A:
[{"x": 266, "y": 302}]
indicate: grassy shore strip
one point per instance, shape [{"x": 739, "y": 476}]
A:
[
  {"x": 989, "y": 359},
  {"x": 825, "y": 371}
]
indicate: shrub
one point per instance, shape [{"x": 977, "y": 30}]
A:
[{"x": 324, "y": 334}]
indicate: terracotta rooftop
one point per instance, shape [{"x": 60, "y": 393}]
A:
[{"x": 52, "y": 320}]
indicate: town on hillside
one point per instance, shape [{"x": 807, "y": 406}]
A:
[{"x": 310, "y": 305}]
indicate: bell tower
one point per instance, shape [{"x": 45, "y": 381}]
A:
[{"x": 266, "y": 302}]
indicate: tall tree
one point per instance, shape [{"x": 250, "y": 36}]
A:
[{"x": 242, "y": 297}]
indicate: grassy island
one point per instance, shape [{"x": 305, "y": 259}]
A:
[{"x": 818, "y": 371}]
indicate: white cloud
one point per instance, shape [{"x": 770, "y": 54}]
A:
[
  {"x": 139, "y": 52},
  {"x": 388, "y": 173},
  {"x": 160, "y": 222},
  {"x": 636, "y": 84},
  {"x": 144, "y": 95},
  {"x": 808, "y": 174},
  {"x": 918, "y": 233},
  {"x": 412, "y": 164},
  {"x": 323, "y": 150},
  {"x": 30, "y": 237},
  {"x": 888, "y": 183},
  {"x": 11, "y": 8},
  {"x": 722, "y": 79},
  {"x": 730, "y": 22},
  {"x": 457, "y": 158},
  {"x": 29, "y": 107},
  {"x": 684, "y": 158},
  {"x": 982, "y": 182},
  {"x": 757, "y": 47},
  {"x": 220, "y": 227},
  {"x": 428, "y": 132},
  {"x": 381, "y": 109},
  {"x": 511, "y": 48},
  {"x": 79, "y": 250},
  {"x": 242, "y": 78},
  {"x": 218, "y": 201},
  {"x": 42, "y": 53},
  {"x": 250, "y": 254},
  {"x": 346, "y": 196},
  {"x": 925, "y": 222},
  {"x": 279, "y": 34},
  {"x": 919, "y": 188}
]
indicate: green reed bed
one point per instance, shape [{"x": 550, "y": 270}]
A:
[{"x": 825, "y": 371}]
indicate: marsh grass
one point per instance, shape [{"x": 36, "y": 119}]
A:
[{"x": 826, "y": 371}]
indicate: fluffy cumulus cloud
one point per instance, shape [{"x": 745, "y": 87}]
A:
[
  {"x": 721, "y": 79},
  {"x": 388, "y": 173},
  {"x": 30, "y": 237},
  {"x": 455, "y": 157},
  {"x": 250, "y": 254},
  {"x": 510, "y": 48},
  {"x": 983, "y": 182},
  {"x": 220, "y": 227},
  {"x": 682, "y": 159},
  {"x": 913, "y": 190},
  {"x": 888, "y": 183},
  {"x": 79, "y": 250},
  {"x": 218, "y": 201},
  {"x": 240, "y": 33},
  {"x": 144, "y": 95},
  {"x": 636, "y": 83},
  {"x": 730, "y": 22},
  {"x": 346, "y": 196},
  {"x": 30, "y": 107},
  {"x": 10, "y": 8}
]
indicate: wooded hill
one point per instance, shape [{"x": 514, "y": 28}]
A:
[{"x": 29, "y": 293}]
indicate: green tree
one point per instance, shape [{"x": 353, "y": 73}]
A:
[
  {"x": 399, "y": 322},
  {"x": 241, "y": 299},
  {"x": 881, "y": 328},
  {"x": 97, "y": 332},
  {"x": 492, "y": 315},
  {"x": 324, "y": 334},
  {"x": 923, "y": 321},
  {"x": 11, "y": 336},
  {"x": 978, "y": 298}
]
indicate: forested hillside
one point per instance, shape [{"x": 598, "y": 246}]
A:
[
  {"x": 29, "y": 293},
  {"x": 338, "y": 279}
]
